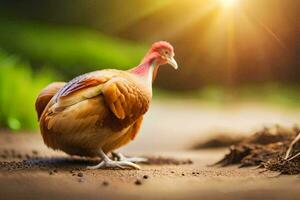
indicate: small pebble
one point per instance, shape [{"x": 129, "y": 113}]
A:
[
  {"x": 80, "y": 174},
  {"x": 34, "y": 152},
  {"x": 145, "y": 176},
  {"x": 172, "y": 172},
  {"x": 138, "y": 182},
  {"x": 55, "y": 171},
  {"x": 183, "y": 174},
  {"x": 80, "y": 180},
  {"x": 51, "y": 173},
  {"x": 105, "y": 183}
]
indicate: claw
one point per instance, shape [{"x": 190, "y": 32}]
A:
[
  {"x": 96, "y": 166},
  {"x": 133, "y": 165},
  {"x": 137, "y": 160},
  {"x": 121, "y": 157}
]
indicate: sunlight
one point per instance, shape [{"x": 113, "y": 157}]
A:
[{"x": 228, "y": 3}]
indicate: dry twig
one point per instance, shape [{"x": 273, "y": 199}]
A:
[
  {"x": 295, "y": 156},
  {"x": 287, "y": 155}
]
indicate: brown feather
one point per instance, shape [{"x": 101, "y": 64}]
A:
[
  {"x": 103, "y": 109},
  {"x": 82, "y": 84},
  {"x": 125, "y": 99},
  {"x": 46, "y": 95},
  {"x": 126, "y": 138}
]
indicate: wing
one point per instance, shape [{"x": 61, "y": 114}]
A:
[
  {"x": 82, "y": 87},
  {"x": 125, "y": 98},
  {"x": 46, "y": 95},
  {"x": 122, "y": 95}
]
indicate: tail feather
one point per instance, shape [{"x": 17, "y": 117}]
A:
[{"x": 46, "y": 95}]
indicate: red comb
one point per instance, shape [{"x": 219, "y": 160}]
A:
[{"x": 162, "y": 44}]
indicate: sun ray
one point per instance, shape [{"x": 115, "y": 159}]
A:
[
  {"x": 270, "y": 32},
  {"x": 264, "y": 27},
  {"x": 198, "y": 12},
  {"x": 194, "y": 17},
  {"x": 133, "y": 17}
]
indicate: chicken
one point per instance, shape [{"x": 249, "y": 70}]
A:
[{"x": 98, "y": 112}]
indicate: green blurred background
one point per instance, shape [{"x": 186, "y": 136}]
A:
[{"x": 227, "y": 53}]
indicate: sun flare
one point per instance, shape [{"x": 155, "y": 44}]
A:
[{"x": 228, "y": 3}]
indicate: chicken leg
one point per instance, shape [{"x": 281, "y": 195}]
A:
[{"x": 108, "y": 163}]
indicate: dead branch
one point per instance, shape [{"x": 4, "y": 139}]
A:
[
  {"x": 295, "y": 156},
  {"x": 287, "y": 155}
]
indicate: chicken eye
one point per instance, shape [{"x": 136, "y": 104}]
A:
[{"x": 166, "y": 52}]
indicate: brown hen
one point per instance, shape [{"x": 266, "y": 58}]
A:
[{"x": 98, "y": 112}]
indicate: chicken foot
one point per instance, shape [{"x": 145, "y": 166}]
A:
[
  {"x": 121, "y": 157},
  {"x": 108, "y": 163}
]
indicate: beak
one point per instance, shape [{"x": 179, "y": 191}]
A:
[{"x": 172, "y": 62}]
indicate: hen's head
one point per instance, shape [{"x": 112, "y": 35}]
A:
[{"x": 163, "y": 53}]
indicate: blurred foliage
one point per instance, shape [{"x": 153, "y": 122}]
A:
[
  {"x": 276, "y": 94},
  {"x": 32, "y": 55},
  {"x": 272, "y": 93},
  {"x": 19, "y": 87},
  {"x": 70, "y": 50},
  {"x": 48, "y": 42}
]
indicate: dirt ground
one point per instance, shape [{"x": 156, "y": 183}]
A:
[
  {"x": 168, "y": 131},
  {"x": 63, "y": 177}
]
